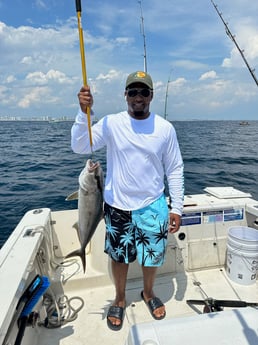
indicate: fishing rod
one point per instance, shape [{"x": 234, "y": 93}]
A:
[
  {"x": 84, "y": 73},
  {"x": 166, "y": 98},
  {"x": 213, "y": 305},
  {"x": 232, "y": 37},
  {"x": 144, "y": 39}
]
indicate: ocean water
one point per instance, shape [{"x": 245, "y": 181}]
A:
[{"x": 38, "y": 168}]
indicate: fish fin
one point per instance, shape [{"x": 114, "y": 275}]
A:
[
  {"x": 81, "y": 254},
  {"x": 76, "y": 226},
  {"x": 72, "y": 196}
]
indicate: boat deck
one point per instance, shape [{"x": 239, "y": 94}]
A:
[
  {"x": 90, "y": 326},
  {"x": 194, "y": 269},
  {"x": 191, "y": 276}
]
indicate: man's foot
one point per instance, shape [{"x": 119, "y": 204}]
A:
[
  {"x": 156, "y": 307},
  {"x": 115, "y": 317}
]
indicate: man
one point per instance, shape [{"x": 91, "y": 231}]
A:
[{"x": 142, "y": 148}]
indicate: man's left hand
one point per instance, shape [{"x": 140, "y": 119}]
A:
[{"x": 174, "y": 223}]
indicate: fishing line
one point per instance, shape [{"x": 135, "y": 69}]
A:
[{"x": 84, "y": 72}]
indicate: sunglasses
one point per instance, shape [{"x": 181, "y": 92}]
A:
[{"x": 135, "y": 92}]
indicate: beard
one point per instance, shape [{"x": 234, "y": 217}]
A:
[{"x": 138, "y": 113}]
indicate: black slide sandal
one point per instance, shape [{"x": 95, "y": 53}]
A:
[
  {"x": 118, "y": 313},
  {"x": 154, "y": 304}
]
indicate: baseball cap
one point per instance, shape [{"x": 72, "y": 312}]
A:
[{"x": 139, "y": 77}]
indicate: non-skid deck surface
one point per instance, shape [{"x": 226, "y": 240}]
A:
[{"x": 90, "y": 328}]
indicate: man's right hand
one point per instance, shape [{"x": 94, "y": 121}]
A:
[{"x": 85, "y": 98}]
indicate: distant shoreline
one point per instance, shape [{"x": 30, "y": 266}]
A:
[
  {"x": 58, "y": 120},
  {"x": 54, "y": 120}
]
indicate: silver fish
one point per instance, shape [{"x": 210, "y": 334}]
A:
[{"x": 90, "y": 205}]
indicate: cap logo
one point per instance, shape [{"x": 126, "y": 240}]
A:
[{"x": 140, "y": 75}]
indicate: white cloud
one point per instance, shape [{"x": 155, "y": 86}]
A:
[
  {"x": 40, "y": 4},
  {"x": 43, "y": 61},
  {"x": 43, "y": 78},
  {"x": 26, "y": 60},
  {"x": 3, "y": 89},
  {"x": 208, "y": 75},
  {"x": 179, "y": 82},
  {"x": 34, "y": 96},
  {"x": 189, "y": 64},
  {"x": 10, "y": 79},
  {"x": 110, "y": 76},
  {"x": 246, "y": 36},
  {"x": 123, "y": 40},
  {"x": 37, "y": 97}
]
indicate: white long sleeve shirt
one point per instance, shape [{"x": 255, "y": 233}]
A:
[{"x": 139, "y": 154}]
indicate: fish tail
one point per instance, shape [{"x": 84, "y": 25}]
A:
[{"x": 81, "y": 254}]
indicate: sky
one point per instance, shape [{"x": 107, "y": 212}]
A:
[{"x": 188, "y": 53}]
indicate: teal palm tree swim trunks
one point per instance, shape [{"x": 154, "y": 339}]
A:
[{"x": 140, "y": 234}]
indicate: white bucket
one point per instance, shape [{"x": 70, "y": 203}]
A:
[{"x": 242, "y": 255}]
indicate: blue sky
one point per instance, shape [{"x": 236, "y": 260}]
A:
[{"x": 40, "y": 68}]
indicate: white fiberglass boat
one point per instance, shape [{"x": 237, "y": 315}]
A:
[{"x": 206, "y": 271}]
